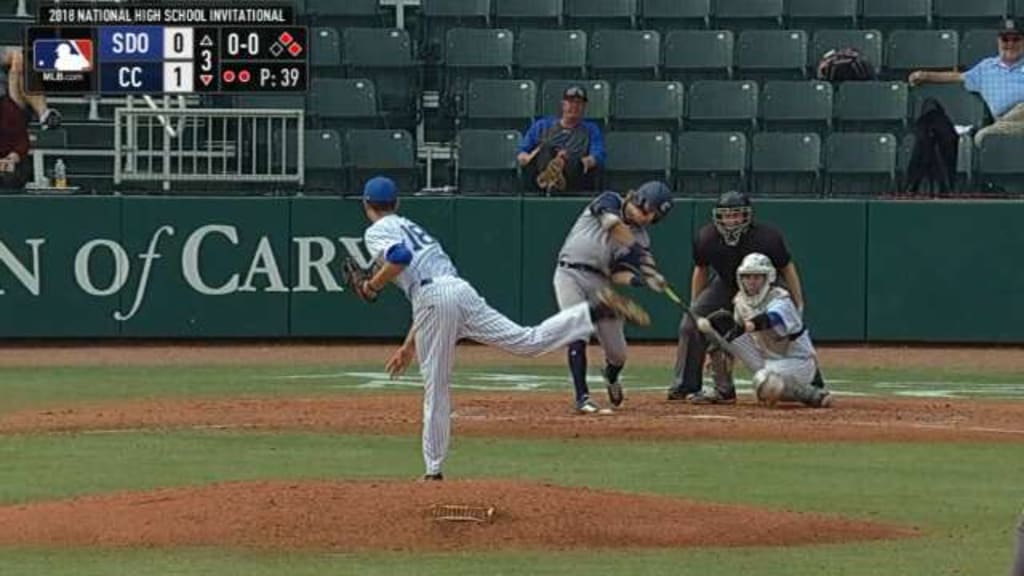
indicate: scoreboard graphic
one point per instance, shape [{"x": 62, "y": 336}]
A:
[{"x": 154, "y": 49}]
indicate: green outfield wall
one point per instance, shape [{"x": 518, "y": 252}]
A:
[{"x": 159, "y": 267}]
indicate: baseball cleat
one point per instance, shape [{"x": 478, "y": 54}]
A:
[
  {"x": 587, "y": 406},
  {"x": 675, "y": 395},
  {"x": 432, "y": 477},
  {"x": 712, "y": 397},
  {"x": 615, "y": 394},
  {"x": 623, "y": 307},
  {"x": 826, "y": 400}
]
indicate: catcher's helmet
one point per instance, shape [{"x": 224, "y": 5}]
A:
[
  {"x": 756, "y": 263},
  {"x": 732, "y": 216},
  {"x": 654, "y": 197}
]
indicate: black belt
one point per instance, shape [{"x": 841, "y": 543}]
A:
[{"x": 580, "y": 267}]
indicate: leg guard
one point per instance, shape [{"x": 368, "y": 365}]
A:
[
  {"x": 769, "y": 387},
  {"x": 721, "y": 363},
  {"x": 805, "y": 393}
]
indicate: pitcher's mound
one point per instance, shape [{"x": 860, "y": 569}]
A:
[{"x": 389, "y": 515}]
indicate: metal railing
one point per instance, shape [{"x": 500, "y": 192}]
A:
[{"x": 208, "y": 145}]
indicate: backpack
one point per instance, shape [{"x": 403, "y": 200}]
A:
[{"x": 845, "y": 64}]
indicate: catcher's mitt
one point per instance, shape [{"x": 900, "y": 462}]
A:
[
  {"x": 358, "y": 280},
  {"x": 723, "y": 322}
]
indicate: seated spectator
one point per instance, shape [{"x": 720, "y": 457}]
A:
[
  {"x": 999, "y": 80},
  {"x": 563, "y": 153},
  {"x": 15, "y": 166}
]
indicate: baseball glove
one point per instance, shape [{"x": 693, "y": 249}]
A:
[
  {"x": 724, "y": 323},
  {"x": 358, "y": 280}
]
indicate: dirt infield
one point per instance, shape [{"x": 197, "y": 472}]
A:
[{"x": 394, "y": 516}]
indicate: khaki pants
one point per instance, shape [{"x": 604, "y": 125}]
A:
[{"x": 1010, "y": 123}]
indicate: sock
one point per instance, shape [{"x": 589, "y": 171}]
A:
[
  {"x": 611, "y": 372},
  {"x": 578, "y": 369}
]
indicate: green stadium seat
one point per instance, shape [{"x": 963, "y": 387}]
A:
[
  {"x": 803, "y": 106},
  {"x": 384, "y": 55},
  {"x": 637, "y": 157},
  {"x": 999, "y": 165},
  {"x": 786, "y": 163},
  {"x": 964, "y": 108},
  {"x": 599, "y": 96},
  {"x": 867, "y": 42},
  {"x": 52, "y": 138},
  {"x": 962, "y": 15},
  {"x": 487, "y": 162},
  {"x": 12, "y": 30},
  {"x": 872, "y": 106},
  {"x": 860, "y": 164},
  {"x": 437, "y": 17},
  {"x": 324, "y": 51},
  {"x": 270, "y": 101},
  {"x": 343, "y": 104},
  {"x": 324, "y": 158},
  {"x": 964, "y": 164},
  {"x": 814, "y": 14},
  {"x": 501, "y": 104},
  {"x": 590, "y": 15},
  {"x": 547, "y": 54},
  {"x": 475, "y": 53},
  {"x": 887, "y": 15},
  {"x": 371, "y": 152},
  {"x": 909, "y": 50},
  {"x": 709, "y": 163},
  {"x": 976, "y": 45},
  {"x": 698, "y": 55},
  {"x": 666, "y": 15},
  {"x": 648, "y": 105},
  {"x": 722, "y": 105},
  {"x": 518, "y": 14},
  {"x": 748, "y": 14},
  {"x": 625, "y": 54},
  {"x": 772, "y": 55},
  {"x": 347, "y": 14},
  {"x": 1018, "y": 9}
]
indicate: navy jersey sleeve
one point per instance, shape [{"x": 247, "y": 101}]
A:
[{"x": 607, "y": 203}]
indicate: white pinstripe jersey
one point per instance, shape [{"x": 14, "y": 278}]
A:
[{"x": 428, "y": 257}]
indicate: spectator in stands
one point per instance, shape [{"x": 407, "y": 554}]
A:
[
  {"x": 15, "y": 167},
  {"x": 563, "y": 153},
  {"x": 999, "y": 80},
  {"x": 11, "y": 84}
]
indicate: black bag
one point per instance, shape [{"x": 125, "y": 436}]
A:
[
  {"x": 845, "y": 64},
  {"x": 933, "y": 159}
]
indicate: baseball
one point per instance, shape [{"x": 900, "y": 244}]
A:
[{"x": 703, "y": 325}]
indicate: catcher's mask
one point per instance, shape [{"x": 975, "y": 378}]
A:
[
  {"x": 653, "y": 197},
  {"x": 732, "y": 216},
  {"x": 756, "y": 263}
]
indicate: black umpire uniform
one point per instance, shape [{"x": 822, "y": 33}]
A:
[{"x": 720, "y": 246}]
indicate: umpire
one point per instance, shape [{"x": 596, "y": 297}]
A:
[{"x": 719, "y": 247}]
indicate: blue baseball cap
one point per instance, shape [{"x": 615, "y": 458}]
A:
[{"x": 380, "y": 189}]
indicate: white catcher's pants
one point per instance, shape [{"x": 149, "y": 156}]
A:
[
  {"x": 794, "y": 370},
  {"x": 450, "y": 309}
]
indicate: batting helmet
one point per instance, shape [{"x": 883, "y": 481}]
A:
[
  {"x": 732, "y": 216},
  {"x": 654, "y": 197}
]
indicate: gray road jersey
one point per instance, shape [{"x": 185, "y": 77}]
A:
[{"x": 589, "y": 243}]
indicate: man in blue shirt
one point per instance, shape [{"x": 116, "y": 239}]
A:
[
  {"x": 564, "y": 153},
  {"x": 999, "y": 80}
]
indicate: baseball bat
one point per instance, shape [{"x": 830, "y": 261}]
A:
[{"x": 712, "y": 334}]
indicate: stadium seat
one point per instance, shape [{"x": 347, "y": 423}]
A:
[
  {"x": 872, "y": 107},
  {"x": 270, "y": 101},
  {"x": 591, "y": 15},
  {"x": 802, "y": 106},
  {"x": 722, "y": 105},
  {"x": 709, "y": 163},
  {"x": 964, "y": 166},
  {"x": 784, "y": 163},
  {"x": 518, "y": 14},
  {"x": 999, "y": 166},
  {"x": 887, "y": 15},
  {"x": 666, "y": 15},
  {"x": 437, "y": 17},
  {"x": 368, "y": 152},
  {"x": 384, "y": 55},
  {"x": 748, "y": 14},
  {"x": 325, "y": 52},
  {"x": 598, "y": 95},
  {"x": 625, "y": 54},
  {"x": 501, "y": 104},
  {"x": 698, "y": 55},
  {"x": 547, "y": 54},
  {"x": 909, "y": 50},
  {"x": 487, "y": 162},
  {"x": 475, "y": 53},
  {"x": 347, "y": 14},
  {"x": 965, "y": 14},
  {"x": 324, "y": 159},
  {"x": 648, "y": 105},
  {"x": 814, "y": 14},
  {"x": 964, "y": 108},
  {"x": 772, "y": 55},
  {"x": 867, "y": 42},
  {"x": 860, "y": 164},
  {"x": 12, "y": 29},
  {"x": 976, "y": 45},
  {"x": 636, "y": 157},
  {"x": 343, "y": 104}
]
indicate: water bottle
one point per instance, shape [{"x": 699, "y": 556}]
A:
[{"x": 60, "y": 174}]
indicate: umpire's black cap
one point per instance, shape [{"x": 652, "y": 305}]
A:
[
  {"x": 575, "y": 91},
  {"x": 1010, "y": 30}
]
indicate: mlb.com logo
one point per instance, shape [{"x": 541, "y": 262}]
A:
[{"x": 63, "y": 55}]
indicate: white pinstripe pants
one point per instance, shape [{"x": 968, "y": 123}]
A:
[{"x": 450, "y": 309}]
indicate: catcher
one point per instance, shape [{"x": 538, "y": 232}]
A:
[
  {"x": 766, "y": 332},
  {"x": 608, "y": 244}
]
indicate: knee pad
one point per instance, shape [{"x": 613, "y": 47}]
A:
[{"x": 768, "y": 386}]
